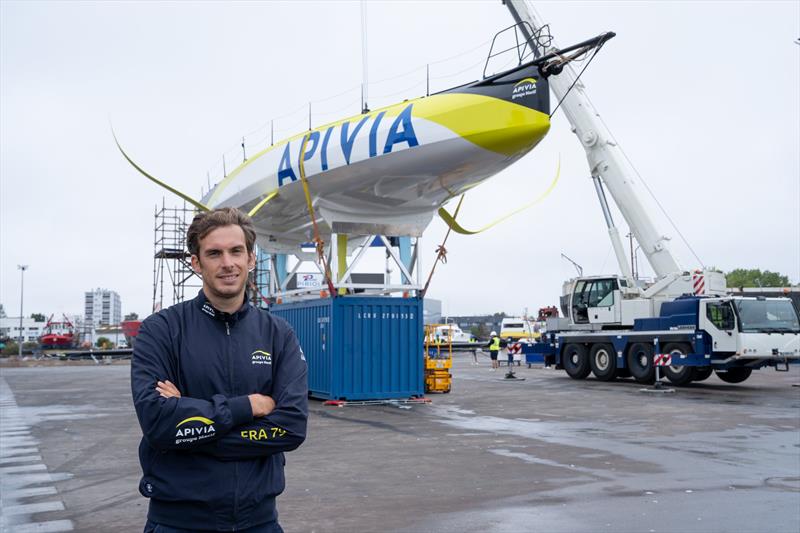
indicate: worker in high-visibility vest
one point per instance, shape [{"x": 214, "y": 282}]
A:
[{"x": 494, "y": 349}]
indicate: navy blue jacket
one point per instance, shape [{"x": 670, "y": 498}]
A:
[{"x": 206, "y": 462}]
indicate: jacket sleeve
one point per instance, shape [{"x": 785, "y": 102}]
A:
[
  {"x": 176, "y": 423},
  {"x": 284, "y": 429}
]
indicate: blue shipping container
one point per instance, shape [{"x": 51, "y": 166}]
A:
[{"x": 360, "y": 348}]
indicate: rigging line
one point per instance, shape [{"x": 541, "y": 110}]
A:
[
  {"x": 481, "y": 45},
  {"x": 597, "y": 49},
  {"x": 262, "y": 127},
  {"x": 254, "y": 145},
  {"x": 364, "y": 55},
  {"x": 227, "y": 163},
  {"x": 405, "y": 90},
  {"x": 373, "y": 83},
  {"x": 231, "y": 153},
  {"x": 214, "y": 169},
  {"x": 650, "y": 192},
  {"x": 457, "y": 73},
  {"x": 364, "y": 59},
  {"x": 326, "y": 113},
  {"x": 351, "y": 89},
  {"x": 304, "y": 106},
  {"x": 661, "y": 207},
  {"x": 579, "y": 55},
  {"x": 319, "y": 244},
  {"x": 292, "y": 127},
  {"x": 608, "y": 254},
  {"x": 391, "y": 78},
  {"x": 504, "y": 66},
  {"x": 217, "y": 165},
  {"x": 290, "y": 113},
  {"x": 441, "y": 251}
]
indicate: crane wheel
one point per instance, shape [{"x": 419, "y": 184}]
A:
[
  {"x": 702, "y": 373},
  {"x": 603, "y": 361},
  {"x": 678, "y": 374},
  {"x": 735, "y": 375},
  {"x": 640, "y": 362},
  {"x": 575, "y": 361}
]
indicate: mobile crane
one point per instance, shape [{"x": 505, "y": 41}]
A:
[{"x": 615, "y": 325}]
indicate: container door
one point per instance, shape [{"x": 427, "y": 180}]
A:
[{"x": 323, "y": 337}]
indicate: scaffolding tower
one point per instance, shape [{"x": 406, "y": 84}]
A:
[
  {"x": 260, "y": 280},
  {"x": 171, "y": 260}
]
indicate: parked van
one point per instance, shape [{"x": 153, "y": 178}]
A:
[
  {"x": 451, "y": 333},
  {"x": 517, "y": 327}
]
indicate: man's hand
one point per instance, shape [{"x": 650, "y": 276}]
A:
[
  {"x": 261, "y": 404},
  {"x": 167, "y": 390}
]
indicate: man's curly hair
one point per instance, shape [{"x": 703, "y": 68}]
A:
[{"x": 207, "y": 221}]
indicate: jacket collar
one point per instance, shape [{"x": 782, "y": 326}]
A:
[{"x": 208, "y": 309}]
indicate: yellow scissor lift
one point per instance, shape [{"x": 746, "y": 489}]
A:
[{"x": 438, "y": 359}]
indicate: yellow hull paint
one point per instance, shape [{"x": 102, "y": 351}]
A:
[{"x": 495, "y": 125}]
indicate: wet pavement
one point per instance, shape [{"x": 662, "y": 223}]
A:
[{"x": 545, "y": 454}]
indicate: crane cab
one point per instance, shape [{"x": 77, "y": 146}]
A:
[
  {"x": 610, "y": 302},
  {"x": 607, "y": 301},
  {"x": 751, "y": 328}
]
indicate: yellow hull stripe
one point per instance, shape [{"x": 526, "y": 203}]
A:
[{"x": 493, "y": 124}]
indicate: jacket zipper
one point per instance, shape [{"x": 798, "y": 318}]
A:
[{"x": 235, "y": 466}]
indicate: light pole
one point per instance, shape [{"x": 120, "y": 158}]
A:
[{"x": 22, "y": 268}]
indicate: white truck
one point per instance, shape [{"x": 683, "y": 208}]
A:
[{"x": 686, "y": 321}]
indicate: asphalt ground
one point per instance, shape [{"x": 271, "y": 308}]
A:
[{"x": 546, "y": 454}]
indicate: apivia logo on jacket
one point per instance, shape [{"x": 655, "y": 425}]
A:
[
  {"x": 195, "y": 432},
  {"x": 260, "y": 357}
]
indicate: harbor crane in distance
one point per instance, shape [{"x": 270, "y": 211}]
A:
[{"x": 616, "y": 325}]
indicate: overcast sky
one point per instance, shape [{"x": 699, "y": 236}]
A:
[{"x": 702, "y": 96}]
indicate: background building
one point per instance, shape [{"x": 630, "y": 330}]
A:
[
  {"x": 31, "y": 329},
  {"x": 102, "y": 307},
  {"x": 113, "y": 333}
]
